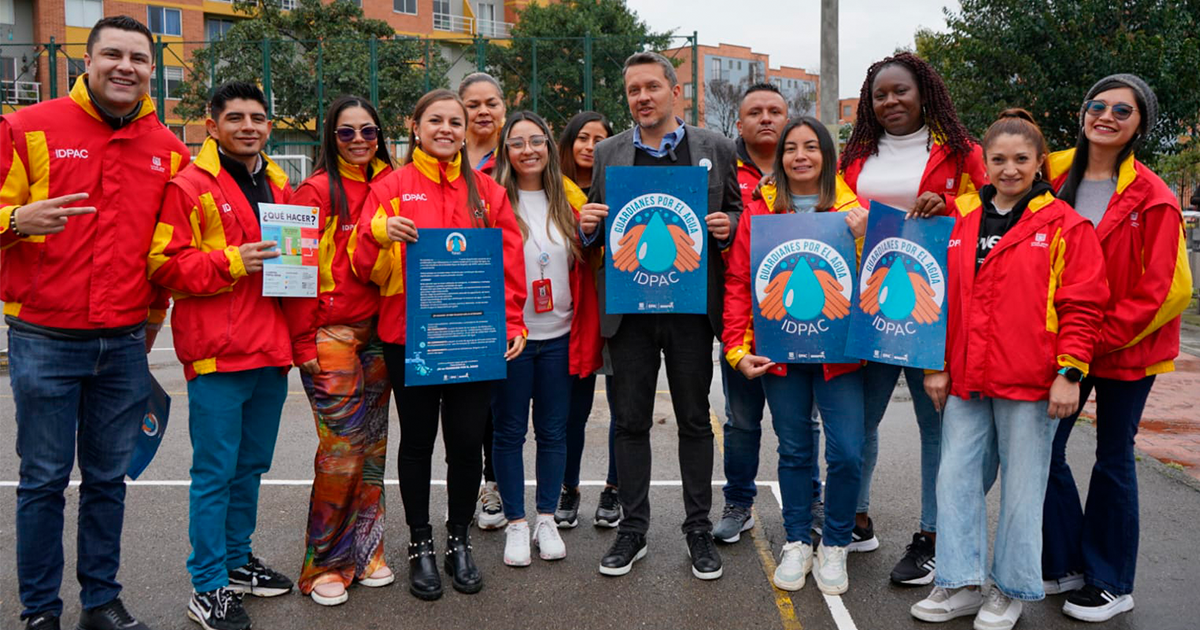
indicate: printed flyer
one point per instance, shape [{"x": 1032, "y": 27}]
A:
[{"x": 294, "y": 272}]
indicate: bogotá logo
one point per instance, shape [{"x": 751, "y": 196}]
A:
[
  {"x": 656, "y": 237},
  {"x": 804, "y": 283},
  {"x": 902, "y": 285}
]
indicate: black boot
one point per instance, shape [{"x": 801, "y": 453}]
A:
[
  {"x": 424, "y": 581},
  {"x": 460, "y": 566}
]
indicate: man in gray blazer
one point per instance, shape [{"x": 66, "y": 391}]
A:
[{"x": 637, "y": 342}]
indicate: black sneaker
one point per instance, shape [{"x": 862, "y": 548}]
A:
[
  {"x": 625, "y": 550},
  {"x": 1092, "y": 603},
  {"x": 257, "y": 579},
  {"x": 218, "y": 610},
  {"x": 818, "y": 514},
  {"x": 706, "y": 562},
  {"x": 111, "y": 616},
  {"x": 735, "y": 519},
  {"x": 42, "y": 621},
  {"x": 863, "y": 538},
  {"x": 609, "y": 511},
  {"x": 567, "y": 514},
  {"x": 917, "y": 566}
]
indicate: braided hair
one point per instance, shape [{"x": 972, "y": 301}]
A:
[{"x": 936, "y": 108}]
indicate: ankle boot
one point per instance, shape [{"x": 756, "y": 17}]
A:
[
  {"x": 424, "y": 581},
  {"x": 460, "y": 566}
]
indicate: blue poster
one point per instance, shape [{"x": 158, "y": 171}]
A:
[
  {"x": 898, "y": 315},
  {"x": 454, "y": 292},
  {"x": 657, "y": 259},
  {"x": 154, "y": 426},
  {"x": 803, "y": 279}
]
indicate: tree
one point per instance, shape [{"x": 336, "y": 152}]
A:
[
  {"x": 1043, "y": 55},
  {"x": 552, "y": 39},
  {"x": 722, "y": 101},
  {"x": 800, "y": 104},
  {"x": 317, "y": 53}
]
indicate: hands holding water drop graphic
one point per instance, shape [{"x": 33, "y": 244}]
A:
[
  {"x": 626, "y": 258},
  {"x": 775, "y": 305},
  {"x": 925, "y": 310}
]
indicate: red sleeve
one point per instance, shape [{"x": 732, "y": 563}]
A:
[
  {"x": 738, "y": 336},
  {"x": 974, "y": 177},
  {"x": 373, "y": 252},
  {"x": 302, "y": 313},
  {"x": 1080, "y": 295},
  {"x": 15, "y": 180},
  {"x": 514, "y": 262},
  {"x": 180, "y": 258}
]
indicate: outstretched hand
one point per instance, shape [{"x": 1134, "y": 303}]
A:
[
  {"x": 837, "y": 305},
  {"x": 686, "y": 258},
  {"x": 625, "y": 258},
  {"x": 926, "y": 310},
  {"x": 868, "y": 300},
  {"x": 772, "y": 305}
]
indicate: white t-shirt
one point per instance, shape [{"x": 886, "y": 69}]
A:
[
  {"x": 894, "y": 176},
  {"x": 534, "y": 208}
]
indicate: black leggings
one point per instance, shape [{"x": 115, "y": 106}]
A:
[{"x": 464, "y": 410}]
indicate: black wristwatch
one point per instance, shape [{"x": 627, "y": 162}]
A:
[{"x": 1073, "y": 374}]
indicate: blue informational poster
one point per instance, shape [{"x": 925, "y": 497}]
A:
[
  {"x": 656, "y": 239},
  {"x": 802, "y": 282},
  {"x": 454, "y": 291},
  {"x": 899, "y": 311},
  {"x": 154, "y": 426}
]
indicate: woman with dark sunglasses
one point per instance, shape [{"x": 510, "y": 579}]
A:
[
  {"x": 341, "y": 365},
  {"x": 1093, "y": 550}
]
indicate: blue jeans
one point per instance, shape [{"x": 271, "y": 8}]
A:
[
  {"x": 978, "y": 435},
  {"x": 583, "y": 394},
  {"x": 541, "y": 375},
  {"x": 1100, "y": 541},
  {"x": 839, "y": 401},
  {"x": 88, "y": 396},
  {"x": 233, "y": 422},
  {"x": 879, "y": 380}
]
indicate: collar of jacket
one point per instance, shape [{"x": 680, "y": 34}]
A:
[
  {"x": 356, "y": 173},
  {"x": 1060, "y": 163},
  {"x": 843, "y": 198},
  {"x": 209, "y": 161},
  {"x": 743, "y": 156},
  {"x": 971, "y": 202},
  {"x": 79, "y": 94},
  {"x": 433, "y": 168}
]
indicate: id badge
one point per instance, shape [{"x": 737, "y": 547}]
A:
[{"x": 543, "y": 296}]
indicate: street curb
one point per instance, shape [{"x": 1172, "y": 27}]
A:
[{"x": 1149, "y": 460}]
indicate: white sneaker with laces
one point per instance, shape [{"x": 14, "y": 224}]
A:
[
  {"x": 1065, "y": 584},
  {"x": 794, "y": 563},
  {"x": 944, "y": 604},
  {"x": 550, "y": 545},
  {"x": 491, "y": 508},
  {"x": 830, "y": 570},
  {"x": 999, "y": 612},
  {"x": 516, "y": 544}
]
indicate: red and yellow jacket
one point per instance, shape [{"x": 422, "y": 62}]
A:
[
  {"x": 738, "y": 337},
  {"x": 941, "y": 175},
  {"x": 434, "y": 195},
  {"x": 342, "y": 297},
  {"x": 585, "y": 351},
  {"x": 221, "y": 321},
  {"x": 1034, "y": 306},
  {"x": 1146, "y": 260},
  {"x": 92, "y": 274}
]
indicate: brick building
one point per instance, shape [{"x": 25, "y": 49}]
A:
[{"x": 847, "y": 110}]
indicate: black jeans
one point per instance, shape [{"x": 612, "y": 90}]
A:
[
  {"x": 464, "y": 411},
  {"x": 636, "y": 349}
]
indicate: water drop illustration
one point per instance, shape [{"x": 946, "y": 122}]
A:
[
  {"x": 896, "y": 296},
  {"x": 803, "y": 297},
  {"x": 656, "y": 248}
]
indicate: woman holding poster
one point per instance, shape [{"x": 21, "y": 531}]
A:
[
  {"x": 1025, "y": 300},
  {"x": 910, "y": 151},
  {"x": 805, "y": 161},
  {"x": 341, "y": 365},
  {"x": 436, "y": 189}
]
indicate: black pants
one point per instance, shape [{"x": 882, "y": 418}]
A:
[
  {"x": 687, "y": 343},
  {"x": 464, "y": 410}
]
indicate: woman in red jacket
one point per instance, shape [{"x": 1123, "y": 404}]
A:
[
  {"x": 341, "y": 364},
  {"x": 1024, "y": 301},
  {"x": 909, "y": 151},
  {"x": 436, "y": 189},
  {"x": 564, "y": 333},
  {"x": 1140, "y": 227}
]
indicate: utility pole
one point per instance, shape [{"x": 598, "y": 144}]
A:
[{"x": 829, "y": 65}]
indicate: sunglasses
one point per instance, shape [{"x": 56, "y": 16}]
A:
[
  {"x": 1121, "y": 111},
  {"x": 536, "y": 142},
  {"x": 346, "y": 134}
]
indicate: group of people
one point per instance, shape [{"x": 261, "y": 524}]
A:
[{"x": 1065, "y": 276}]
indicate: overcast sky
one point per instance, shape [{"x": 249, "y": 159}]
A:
[{"x": 790, "y": 30}]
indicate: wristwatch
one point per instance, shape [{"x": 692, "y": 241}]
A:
[{"x": 1073, "y": 374}]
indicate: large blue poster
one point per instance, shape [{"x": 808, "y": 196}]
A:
[
  {"x": 803, "y": 279},
  {"x": 454, "y": 292},
  {"x": 657, "y": 259},
  {"x": 898, "y": 315}
]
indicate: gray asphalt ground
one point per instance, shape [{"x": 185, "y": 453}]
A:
[{"x": 659, "y": 593}]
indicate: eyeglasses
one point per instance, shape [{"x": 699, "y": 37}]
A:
[
  {"x": 346, "y": 134},
  {"x": 1121, "y": 111},
  {"x": 536, "y": 142}
]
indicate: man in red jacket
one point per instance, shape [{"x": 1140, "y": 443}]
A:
[{"x": 82, "y": 176}]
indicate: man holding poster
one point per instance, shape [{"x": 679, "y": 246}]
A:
[{"x": 636, "y": 341}]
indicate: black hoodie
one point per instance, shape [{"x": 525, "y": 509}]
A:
[{"x": 994, "y": 225}]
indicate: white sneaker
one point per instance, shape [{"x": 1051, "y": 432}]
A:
[
  {"x": 794, "y": 563},
  {"x": 1065, "y": 584},
  {"x": 491, "y": 508},
  {"x": 516, "y": 544},
  {"x": 550, "y": 545},
  {"x": 999, "y": 612},
  {"x": 830, "y": 570},
  {"x": 944, "y": 604}
]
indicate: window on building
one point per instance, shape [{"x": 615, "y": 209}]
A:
[
  {"x": 84, "y": 13},
  {"x": 7, "y": 14},
  {"x": 173, "y": 77},
  {"x": 845, "y": 111},
  {"x": 688, "y": 90},
  {"x": 441, "y": 15},
  {"x": 405, "y": 6},
  {"x": 739, "y": 65},
  {"x": 216, "y": 28},
  {"x": 75, "y": 69},
  {"x": 165, "y": 21},
  {"x": 8, "y": 68}
]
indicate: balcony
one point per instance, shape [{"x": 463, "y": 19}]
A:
[
  {"x": 20, "y": 92},
  {"x": 450, "y": 23},
  {"x": 493, "y": 28}
]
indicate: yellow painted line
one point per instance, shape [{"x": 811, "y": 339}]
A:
[{"x": 783, "y": 600}]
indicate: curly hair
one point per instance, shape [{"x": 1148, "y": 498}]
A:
[{"x": 936, "y": 108}]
